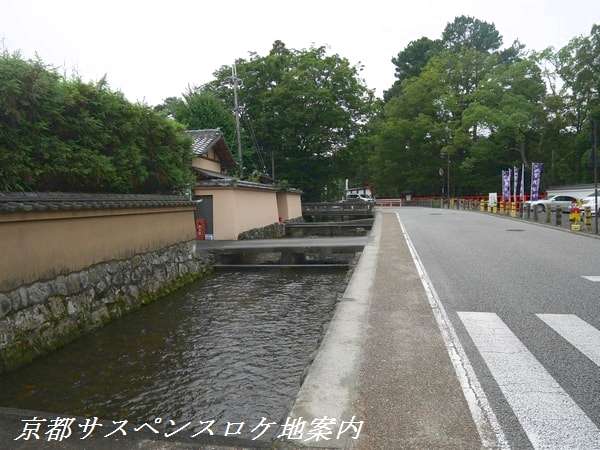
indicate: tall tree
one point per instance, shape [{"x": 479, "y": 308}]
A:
[
  {"x": 472, "y": 107},
  {"x": 410, "y": 62},
  {"x": 466, "y": 31},
  {"x": 304, "y": 106}
]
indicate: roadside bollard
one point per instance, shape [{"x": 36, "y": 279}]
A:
[
  {"x": 513, "y": 209},
  {"x": 588, "y": 218},
  {"x": 548, "y": 215},
  {"x": 502, "y": 207},
  {"x": 535, "y": 214},
  {"x": 481, "y": 206},
  {"x": 558, "y": 216},
  {"x": 527, "y": 211}
]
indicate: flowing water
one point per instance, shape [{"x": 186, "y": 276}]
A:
[{"x": 231, "y": 348}]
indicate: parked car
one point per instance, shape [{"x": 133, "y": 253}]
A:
[
  {"x": 589, "y": 201},
  {"x": 359, "y": 198},
  {"x": 564, "y": 201}
]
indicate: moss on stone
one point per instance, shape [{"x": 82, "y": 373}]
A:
[{"x": 26, "y": 347}]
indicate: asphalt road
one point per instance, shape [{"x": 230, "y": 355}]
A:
[{"x": 527, "y": 320}]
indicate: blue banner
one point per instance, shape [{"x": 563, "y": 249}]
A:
[
  {"x": 506, "y": 185},
  {"x": 523, "y": 182},
  {"x": 515, "y": 180},
  {"x": 536, "y": 179}
]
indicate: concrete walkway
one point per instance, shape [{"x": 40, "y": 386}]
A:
[{"x": 383, "y": 358}]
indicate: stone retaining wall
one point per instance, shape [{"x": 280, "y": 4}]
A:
[
  {"x": 273, "y": 231},
  {"x": 40, "y": 317}
]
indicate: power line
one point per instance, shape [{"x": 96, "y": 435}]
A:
[{"x": 257, "y": 148}]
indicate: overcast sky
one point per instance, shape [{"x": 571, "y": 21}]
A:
[{"x": 153, "y": 49}]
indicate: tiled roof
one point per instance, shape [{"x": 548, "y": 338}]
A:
[
  {"x": 203, "y": 140},
  {"x": 62, "y": 201},
  {"x": 214, "y": 179},
  {"x": 205, "y": 173},
  {"x": 232, "y": 182}
]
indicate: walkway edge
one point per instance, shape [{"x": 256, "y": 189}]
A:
[
  {"x": 328, "y": 389},
  {"x": 487, "y": 424}
]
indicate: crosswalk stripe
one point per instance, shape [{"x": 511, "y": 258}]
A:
[
  {"x": 577, "y": 332},
  {"x": 547, "y": 414},
  {"x": 594, "y": 278}
]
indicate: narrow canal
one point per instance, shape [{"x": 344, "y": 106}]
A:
[{"x": 230, "y": 348}]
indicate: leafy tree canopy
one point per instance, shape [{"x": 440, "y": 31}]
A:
[
  {"x": 300, "y": 106},
  {"x": 466, "y": 104},
  {"x": 469, "y": 32}
]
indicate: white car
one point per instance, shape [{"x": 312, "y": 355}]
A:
[
  {"x": 564, "y": 201},
  {"x": 589, "y": 201},
  {"x": 359, "y": 197}
]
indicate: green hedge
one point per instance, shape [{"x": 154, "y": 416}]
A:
[{"x": 61, "y": 134}]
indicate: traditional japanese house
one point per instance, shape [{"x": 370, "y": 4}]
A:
[{"x": 229, "y": 205}]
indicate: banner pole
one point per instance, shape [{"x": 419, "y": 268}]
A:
[{"x": 594, "y": 150}]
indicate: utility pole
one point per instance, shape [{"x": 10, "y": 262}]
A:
[
  {"x": 273, "y": 165},
  {"x": 237, "y": 117},
  {"x": 594, "y": 161},
  {"x": 448, "y": 175}
]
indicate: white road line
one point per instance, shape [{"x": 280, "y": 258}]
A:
[
  {"x": 487, "y": 424},
  {"x": 577, "y": 332},
  {"x": 594, "y": 278},
  {"x": 548, "y": 415}
]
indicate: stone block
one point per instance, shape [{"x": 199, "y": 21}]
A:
[
  {"x": 5, "y": 305},
  {"x": 73, "y": 283},
  {"x": 100, "y": 287},
  {"x": 38, "y": 293},
  {"x": 133, "y": 291},
  {"x": 84, "y": 279},
  {"x": 18, "y": 299},
  {"x": 59, "y": 285}
]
